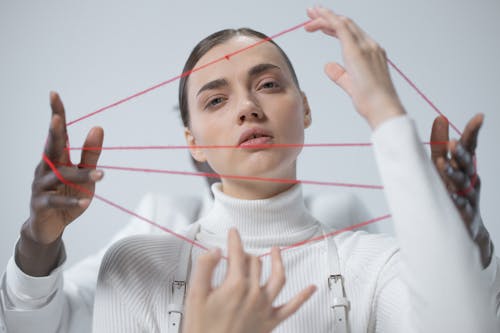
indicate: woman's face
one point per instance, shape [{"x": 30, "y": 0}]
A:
[{"x": 248, "y": 99}]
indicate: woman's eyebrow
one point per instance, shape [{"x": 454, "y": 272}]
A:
[
  {"x": 254, "y": 71},
  {"x": 260, "y": 68},
  {"x": 215, "y": 84}
]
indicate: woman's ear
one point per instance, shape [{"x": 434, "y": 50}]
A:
[
  {"x": 307, "y": 110},
  {"x": 196, "y": 152}
]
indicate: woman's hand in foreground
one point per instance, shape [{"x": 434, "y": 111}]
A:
[
  {"x": 456, "y": 166},
  {"x": 365, "y": 75},
  {"x": 240, "y": 304}
]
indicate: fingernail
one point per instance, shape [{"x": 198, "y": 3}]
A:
[
  {"x": 96, "y": 175},
  {"x": 83, "y": 203}
]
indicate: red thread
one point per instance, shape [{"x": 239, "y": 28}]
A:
[
  {"x": 414, "y": 86},
  {"x": 275, "y": 145},
  {"x": 187, "y": 73},
  {"x": 182, "y": 237},
  {"x": 252, "y": 178},
  {"x": 226, "y": 57},
  {"x": 333, "y": 233},
  {"x": 111, "y": 203}
]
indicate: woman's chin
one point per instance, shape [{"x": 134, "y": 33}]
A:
[{"x": 265, "y": 168}]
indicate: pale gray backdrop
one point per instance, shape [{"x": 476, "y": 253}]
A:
[{"x": 96, "y": 52}]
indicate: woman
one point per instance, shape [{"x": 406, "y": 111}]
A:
[
  {"x": 362, "y": 283},
  {"x": 253, "y": 98}
]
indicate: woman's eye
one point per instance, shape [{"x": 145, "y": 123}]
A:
[
  {"x": 269, "y": 85},
  {"x": 214, "y": 102}
]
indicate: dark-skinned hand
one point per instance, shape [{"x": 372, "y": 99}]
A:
[
  {"x": 54, "y": 205},
  {"x": 455, "y": 162}
]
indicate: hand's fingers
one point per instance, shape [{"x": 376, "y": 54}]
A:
[
  {"x": 331, "y": 24},
  {"x": 286, "y": 310},
  {"x": 439, "y": 138},
  {"x": 56, "y": 142},
  {"x": 318, "y": 23},
  {"x": 464, "y": 159},
  {"x": 459, "y": 179},
  {"x": 338, "y": 74},
  {"x": 471, "y": 132},
  {"x": 461, "y": 184},
  {"x": 45, "y": 201},
  {"x": 201, "y": 281},
  {"x": 441, "y": 165},
  {"x": 57, "y": 106},
  {"x": 459, "y": 201},
  {"x": 50, "y": 181},
  {"x": 356, "y": 33},
  {"x": 237, "y": 261},
  {"x": 62, "y": 135},
  {"x": 94, "y": 140},
  {"x": 255, "y": 272},
  {"x": 277, "y": 279}
]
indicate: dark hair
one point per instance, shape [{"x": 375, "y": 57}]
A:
[{"x": 206, "y": 45}]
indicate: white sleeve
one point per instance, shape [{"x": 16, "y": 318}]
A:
[
  {"x": 440, "y": 263},
  {"x": 55, "y": 303},
  {"x": 392, "y": 307}
]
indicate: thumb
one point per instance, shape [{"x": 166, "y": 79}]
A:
[
  {"x": 92, "y": 147},
  {"x": 338, "y": 74}
]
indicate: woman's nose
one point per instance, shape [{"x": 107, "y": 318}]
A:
[{"x": 249, "y": 110}]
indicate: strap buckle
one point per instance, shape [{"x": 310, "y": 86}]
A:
[
  {"x": 178, "y": 286},
  {"x": 336, "y": 285},
  {"x": 334, "y": 279}
]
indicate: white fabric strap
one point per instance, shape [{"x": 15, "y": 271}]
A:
[
  {"x": 175, "y": 308},
  {"x": 338, "y": 300}
]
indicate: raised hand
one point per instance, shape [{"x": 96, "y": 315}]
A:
[
  {"x": 365, "y": 75},
  {"x": 240, "y": 304},
  {"x": 54, "y": 204},
  {"x": 455, "y": 163}
]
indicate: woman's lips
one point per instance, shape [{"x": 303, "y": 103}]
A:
[
  {"x": 262, "y": 140},
  {"x": 256, "y": 135}
]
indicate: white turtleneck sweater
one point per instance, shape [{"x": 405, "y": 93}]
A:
[{"x": 432, "y": 282}]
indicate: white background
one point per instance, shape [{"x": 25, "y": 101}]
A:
[{"x": 97, "y": 52}]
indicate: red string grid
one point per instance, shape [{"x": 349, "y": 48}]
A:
[{"x": 53, "y": 167}]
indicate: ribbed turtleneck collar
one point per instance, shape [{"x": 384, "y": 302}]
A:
[{"x": 280, "y": 220}]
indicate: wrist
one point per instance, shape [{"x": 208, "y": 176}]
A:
[
  {"x": 381, "y": 109},
  {"x": 35, "y": 258},
  {"x": 486, "y": 247}
]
